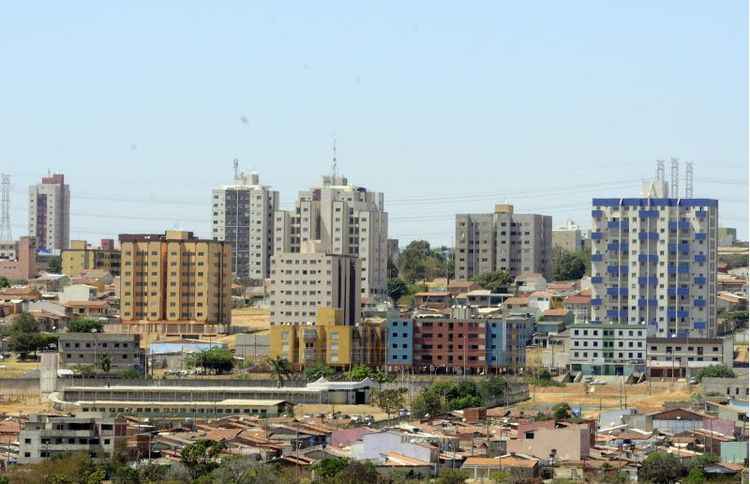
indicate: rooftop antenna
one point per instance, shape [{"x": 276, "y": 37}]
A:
[
  {"x": 689, "y": 179},
  {"x": 5, "y": 231},
  {"x": 674, "y": 189},
  {"x": 334, "y": 165},
  {"x": 236, "y": 164}
]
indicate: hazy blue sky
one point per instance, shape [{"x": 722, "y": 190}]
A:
[{"x": 445, "y": 106}]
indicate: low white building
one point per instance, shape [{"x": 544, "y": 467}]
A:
[{"x": 682, "y": 357}]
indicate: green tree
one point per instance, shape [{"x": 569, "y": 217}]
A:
[
  {"x": 561, "y": 411},
  {"x": 419, "y": 262},
  {"x": 695, "y": 476},
  {"x": 105, "y": 363},
  {"x": 452, "y": 476},
  {"x": 318, "y": 370},
  {"x": 568, "y": 266},
  {"x": 428, "y": 402},
  {"x": 4, "y": 282},
  {"x": 391, "y": 400},
  {"x": 660, "y": 468},
  {"x": 329, "y": 467},
  {"x": 55, "y": 265},
  {"x": 357, "y": 472},
  {"x": 200, "y": 457},
  {"x": 24, "y": 323},
  {"x": 217, "y": 360},
  {"x": 396, "y": 288},
  {"x": 280, "y": 368},
  {"x": 715, "y": 371},
  {"x": 501, "y": 477},
  {"x": 85, "y": 326},
  {"x": 360, "y": 372},
  {"x": 494, "y": 281},
  {"x": 492, "y": 389}
]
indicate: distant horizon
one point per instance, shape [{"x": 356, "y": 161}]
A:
[{"x": 201, "y": 227}]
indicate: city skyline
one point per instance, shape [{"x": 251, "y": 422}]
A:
[{"x": 573, "y": 99}]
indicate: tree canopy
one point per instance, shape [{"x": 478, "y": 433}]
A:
[
  {"x": 494, "y": 281},
  {"x": 568, "y": 266},
  {"x": 84, "y": 326},
  {"x": 218, "y": 360},
  {"x": 390, "y": 400},
  {"x": 419, "y": 262},
  {"x": 715, "y": 371},
  {"x": 660, "y": 468},
  {"x": 396, "y": 288},
  {"x": 318, "y": 370},
  {"x": 200, "y": 457}
]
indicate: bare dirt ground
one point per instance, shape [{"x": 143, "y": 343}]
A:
[
  {"x": 647, "y": 397},
  {"x": 11, "y": 368},
  {"x": 25, "y": 406},
  {"x": 315, "y": 409}
]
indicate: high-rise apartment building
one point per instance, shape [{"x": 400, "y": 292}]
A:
[
  {"x": 503, "y": 241},
  {"x": 347, "y": 220},
  {"x": 305, "y": 281},
  {"x": 654, "y": 261},
  {"x": 243, "y": 215},
  {"x": 49, "y": 213},
  {"x": 175, "y": 277}
]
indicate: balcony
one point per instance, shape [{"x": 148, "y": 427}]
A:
[
  {"x": 597, "y": 257},
  {"x": 683, "y": 250},
  {"x": 617, "y": 291},
  {"x": 648, "y": 214},
  {"x": 617, "y": 224},
  {"x": 701, "y": 215},
  {"x": 596, "y": 280},
  {"x": 700, "y": 236},
  {"x": 597, "y": 301},
  {"x": 678, "y": 291},
  {"x": 681, "y": 225},
  {"x": 647, "y": 281},
  {"x": 700, "y": 280},
  {"x": 642, "y": 303},
  {"x": 597, "y": 213},
  {"x": 699, "y": 303},
  {"x": 699, "y": 325},
  {"x": 681, "y": 268},
  {"x": 677, "y": 313},
  {"x": 648, "y": 236},
  {"x": 616, "y": 246},
  {"x": 699, "y": 258},
  {"x": 648, "y": 258},
  {"x": 597, "y": 235}
]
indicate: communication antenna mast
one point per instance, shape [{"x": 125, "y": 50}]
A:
[
  {"x": 660, "y": 173},
  {"x": 334, "y": 165},
  {"x": 236, "y": 164},
  {"x": 689, "y": 179},
  {"x": 674, "y": 189},
  {"x": 5, "y": 231}
]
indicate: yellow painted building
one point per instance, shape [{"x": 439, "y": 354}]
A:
[
  {"x": 175, "y": 277},
  {"x": 80, "y": 257},
  {"x": 329, "y": 341}
]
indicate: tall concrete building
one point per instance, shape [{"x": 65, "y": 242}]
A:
[
  {"x": 571, "y": 238},
  {"x": 302, "y": 282},
  {"x": 49, "y": 213},
  {"x": 82, "y": 257},
  {"x": 503, "y": 241},
  {"x": 347, "y": 220},
  {"x": 175, "y": 277},
  {"x": 654, "y": 261},
  {"x": 242, "y": 215}
]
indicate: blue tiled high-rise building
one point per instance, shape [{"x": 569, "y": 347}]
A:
[{"x": 654, "y": 261}]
